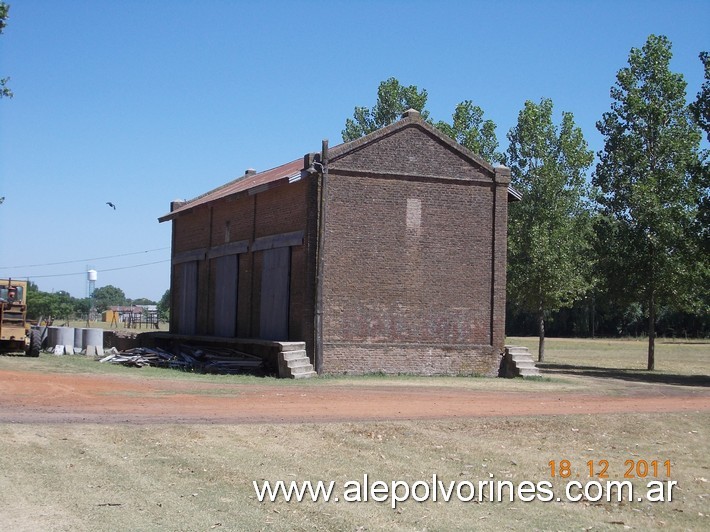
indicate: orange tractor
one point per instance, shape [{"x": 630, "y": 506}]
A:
[{"x": 15, "y": 332}]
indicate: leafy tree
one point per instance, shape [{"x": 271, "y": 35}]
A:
[
  {"x": 548, "y": 231},
  {"x": 82, "y": 306},
  {"x": 701, "y": 106},
  {"x": 701, "y": 112},
  {"x": 392, "y": 100},
  {"x": 38, "y": 304},
  {"x": 5, "y": 91},
  {"x": 470, "y": 130},
  {"x": 143, "y": 301},
  {"x": 468, "y": 127},
  {"x": 63, "y": 305},
  {"x": 49, "y": 305},
  {"x": 650, "y": 189},
  {"x": 164, "y": 306},
  {"x": 108, "y": 296}
]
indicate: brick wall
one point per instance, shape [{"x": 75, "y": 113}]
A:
[
  {"x": 412, "y": 281},
  {"x": 191, "y": 231},
  {"x": 410, "y": 359},
  {"x": 281, "y": 209}
]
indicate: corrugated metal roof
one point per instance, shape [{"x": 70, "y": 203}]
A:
[
  {"x": 514, "y": 194},
  {"x": 290, "y": 172}
]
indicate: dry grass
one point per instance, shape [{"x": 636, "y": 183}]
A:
[
  {"x": 676, "y": 362},
  {"x": 88, "y": 477},
  {"x": 672, "y": 356},
  {"x": 199, "y": 477}
]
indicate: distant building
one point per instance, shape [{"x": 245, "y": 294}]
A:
[
  {"x": 135, "y": 315},
  {"x": 400, "y": 267}
]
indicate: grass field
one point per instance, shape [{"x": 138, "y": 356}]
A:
[
  {"x": 682, "y": 357},
  {"x": 199, "y": 477}
]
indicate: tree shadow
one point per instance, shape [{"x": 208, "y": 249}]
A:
[{"x": 634, "y": 375}]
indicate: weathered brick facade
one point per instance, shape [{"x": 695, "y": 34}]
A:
[{"x": 414, "y": 255}]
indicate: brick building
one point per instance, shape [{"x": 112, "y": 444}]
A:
[{"x": 385, "y": 254}]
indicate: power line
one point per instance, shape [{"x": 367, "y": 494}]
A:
[
  {"x": 102, "y": 271},
  {"x": 81, "y": 260}
]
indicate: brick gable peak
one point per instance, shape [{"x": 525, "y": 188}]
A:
[{"x": 412, "y": 118}]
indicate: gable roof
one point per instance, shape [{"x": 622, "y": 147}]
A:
[
  {"x": 293, "y": 171},
  {"x": 410, "y": 118},
  {"x": 253, "y": 183}
]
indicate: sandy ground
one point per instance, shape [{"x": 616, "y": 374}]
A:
[{"x": 31, "y": 397}]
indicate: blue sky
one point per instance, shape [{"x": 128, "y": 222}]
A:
[{"x": 142, "y": 102}]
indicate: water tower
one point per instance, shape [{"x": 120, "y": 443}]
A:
[{"x": 91, "y": 276}]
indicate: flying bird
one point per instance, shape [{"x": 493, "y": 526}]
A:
[{"x": 111, "y": 205}]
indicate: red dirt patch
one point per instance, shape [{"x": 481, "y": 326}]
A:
[{"x": 30, "y": 397}]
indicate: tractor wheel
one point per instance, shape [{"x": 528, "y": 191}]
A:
[{"x": 35, "y": 344}]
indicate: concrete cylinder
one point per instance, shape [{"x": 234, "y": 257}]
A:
[
  {"x": 52, "y": 336},
  {"x": 65, "y": 336},
  {"x": 93, "y": 337},
  {"x": 79, "y": 338}
]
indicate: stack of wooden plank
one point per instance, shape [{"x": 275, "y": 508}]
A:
[{"x": 198, "y": 359}]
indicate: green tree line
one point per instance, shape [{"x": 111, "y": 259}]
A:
[
  {"x": 61, "y": 305},
  {"x": 623, "y": 251}
]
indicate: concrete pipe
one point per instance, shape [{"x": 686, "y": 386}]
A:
[
  {"x": 52, "y": 336},
  {"x": 79, "y": 339},
  {"x": 94, "y": 342},
  {"x": 65, "y": 336}
]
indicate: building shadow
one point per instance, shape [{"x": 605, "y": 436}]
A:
[{"x": 634, "y": 375}]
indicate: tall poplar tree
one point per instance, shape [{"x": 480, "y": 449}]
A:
[
  {"x": 469, "y": 129},
  {"x": 393, "y": 99},
  {"x": 650, "y": 188},
  {"x": 701, "y": 112},
  {"x": 701, "y": 106},
  {"x": 548, "y": 231}
]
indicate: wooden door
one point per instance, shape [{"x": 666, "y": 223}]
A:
[
  {"x": 275, "y": 298},
  {"x": 187, "y": 297},
  {"x": 225, "y": 295}
]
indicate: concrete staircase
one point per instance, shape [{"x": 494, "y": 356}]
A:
[
  {"x": 518, "y": 362},
  {"x": 294, "y": 363}
]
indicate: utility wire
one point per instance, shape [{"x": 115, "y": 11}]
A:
[
  {"x": 81, "y": 260},
  {"x": 84, "y": 273}
]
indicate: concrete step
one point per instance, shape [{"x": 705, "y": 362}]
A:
[
  {"x": 302, "y": 369},
  {"x": 299, "y": 363},
  {"x": 522, "y": 357},
  {"x": 529, "y": 372},
  {"x": 294, "y": 355},
  {"x": 292, "y": 346},
  {"x": 516, "y": 349},
  {"x": 302, "y": 372},
  {"x": 307, "y": 375},
  {"x": 294, "y": 363},
  {"x": 521, "y": 362}
]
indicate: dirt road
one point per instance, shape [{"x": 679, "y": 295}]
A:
[{"x": 33, "y": 397}]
